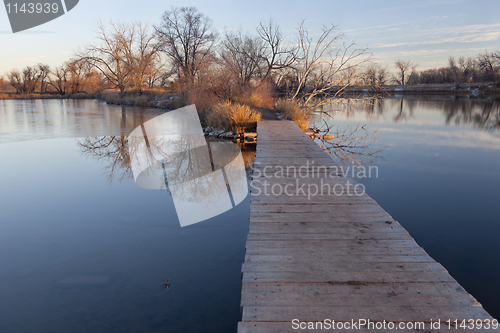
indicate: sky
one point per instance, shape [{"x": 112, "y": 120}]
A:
[{"x": 426, "y": 32}]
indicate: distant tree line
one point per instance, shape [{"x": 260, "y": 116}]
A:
[{"x": 484, "y": 69}]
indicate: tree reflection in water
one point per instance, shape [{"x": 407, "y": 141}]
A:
[
  {"x": 357, "y": 145},
  {"x": 113, "y": 149},
  {"x": 349, "y": 145}
]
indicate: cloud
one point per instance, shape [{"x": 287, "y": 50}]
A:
[
  {"x": 463, "y": 34},
  {"x": 420, "y": 4}
]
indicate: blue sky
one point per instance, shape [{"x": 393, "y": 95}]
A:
[{"x": 426, "y": 32}]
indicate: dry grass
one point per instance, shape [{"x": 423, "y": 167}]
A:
[
  {"x": 146, "y": 99},
  {"x": 257, "y": 97},
  {"x": 49, "y": 96},
  {"x": 204, "y": 100},
  {"x": 292, "y": 111},
  {"x": 236, "y": 117}
]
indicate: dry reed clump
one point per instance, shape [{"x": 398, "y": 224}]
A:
[
  {"x": 257, "y": 97},
  {"x": 292, "y": 111},
  {"x": 236, "y": 117}
]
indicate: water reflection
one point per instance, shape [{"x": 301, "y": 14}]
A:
[
  {"x": 98, "y": 251},
  {"x": 111, "y": 148},
  {"x": 483, "y": 114},
  {"x": 22, "y": 120}
]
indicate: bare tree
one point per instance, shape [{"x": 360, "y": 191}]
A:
[
  {"x": 3, "y": 84},
  {"x": 186, "y": 37},
  {"x": 41, "y": 77},
  {"x": 24, "y": 82},
  {"x": 327, "y": 67},
  {"x": 15, "y": 80},
  {"x": 370, "y": 77},
  {"x": 488, "y": 63},
  {"x": 242, "y": 55},
  {"x": 59, "y": 78},
  {"x": 405, "y": 70},
  {"x": 146, "y": 58},
  {"x": 276, "y": 55},
  {"x": 112, "y": 55},
  {"x": 462, "y": 70},
  {"x": 382, "y": 76},
  {"x": 29, "y": 79}
]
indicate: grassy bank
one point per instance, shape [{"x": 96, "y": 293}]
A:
[{"x": 6, "y": 96}]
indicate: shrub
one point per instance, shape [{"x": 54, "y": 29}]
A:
[
  {"x": 257, "y": 97},
  {"x": 204, "y": 100},
  {"x": 292, "y": 111},
  {"x": 112, "y": 98},
  {"x": 236, "y": 117}
]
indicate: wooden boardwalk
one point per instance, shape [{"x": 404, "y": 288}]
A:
[{"x": 338, "y": 257}]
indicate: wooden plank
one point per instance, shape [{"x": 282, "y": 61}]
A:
[
  {"x": 333, "y": 251},
  {"x": 410, "y": 288},
  {"x": 304, "y": 199},
  {"x": 318, "y": 218},
  {"x": 313, "y": 267},
  {"x": 275, "y": 277},
  {"x": 371, "y": 300},
  {"x": 332, "y": 244},
  {"x": 318, "y": 258},
  {"x": 282, "y": 327},
  {"x": 374, "y": 313},
  {"x": 363, "y": 235},
  {"x": 317, "y": 208},
  {"x": 324, "y": 228}
]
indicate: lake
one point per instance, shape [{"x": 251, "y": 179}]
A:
[{"x": 84, "y": 249}]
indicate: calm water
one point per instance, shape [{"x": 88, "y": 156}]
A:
[
  {"x": 84, "y": 249},
  {"x": 439, "y": 176}
]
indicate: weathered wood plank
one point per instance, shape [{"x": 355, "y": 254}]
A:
[
  {"x": 313, "y": 267},
  {"x": 275, "y": 277},
  {"x": 373, "y": 300},
  {"x": 334, "y": 251},
  {"x": 305, "y": 199},
  {"x": 332, "y": 244},
  {"x": 363, "y": 235},
  {"x": 374, "y": 313},
  {"x": 324, "y": 228},
  {"x": 318, "y": 208},
  {"x": 325, "y": 219},
  {"x": 418, "y": 288},
  {"x": 282, "y": 327},
  {"x": 318, "y": 258}
]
